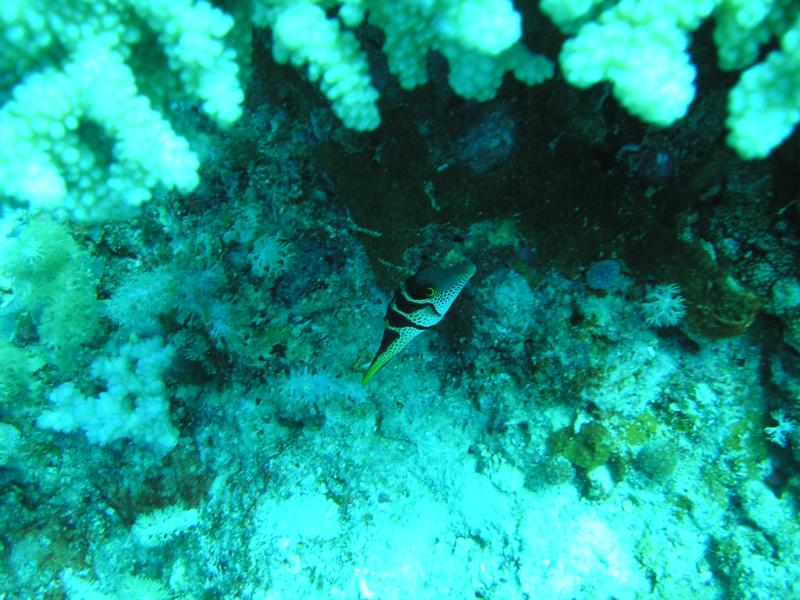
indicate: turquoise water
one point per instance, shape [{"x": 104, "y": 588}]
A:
[{"x": 608, "y": 410}]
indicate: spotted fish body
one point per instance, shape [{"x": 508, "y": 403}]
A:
[{"x": 419, "y": 304}]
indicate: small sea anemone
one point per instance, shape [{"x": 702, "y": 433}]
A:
[
  {"x": 663, "y": 305},
  {"x": 142, "y": 588},
  {"x": 157, "y": 527},
  {"x": 270, "y": 256}
]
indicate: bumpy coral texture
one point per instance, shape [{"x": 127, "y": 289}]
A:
[
  {"x": 88, "y": 88},
  {"x": 641, "y": 48},
  {"x": 78, "y": 135}
]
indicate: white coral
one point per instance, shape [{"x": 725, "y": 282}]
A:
[
  {"x": 65, "y": 65},
  {"x": 779, "y": 434},
  {"x": 158, "y": 527},
  {"x": 270, "y": 256},
  {"x": 663, "y": 305},
  {"x": 135, "y": 403}
]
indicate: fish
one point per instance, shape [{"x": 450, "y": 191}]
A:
[{"x": 419, "y": 304}]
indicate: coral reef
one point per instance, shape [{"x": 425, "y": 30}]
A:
[
  {"x": 206, "y": 208},
  {"x": 90, "y": 94}
]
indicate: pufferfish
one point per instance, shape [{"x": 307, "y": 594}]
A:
[{"x": 419, "y": 304}]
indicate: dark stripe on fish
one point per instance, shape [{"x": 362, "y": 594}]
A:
[
  {"x": 389, "y": 337},
  {"x": 407, "y": 306},
  {"x": 399, "y": 320}
]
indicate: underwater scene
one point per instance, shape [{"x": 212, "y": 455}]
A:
[{"x": 401, "y": 299}]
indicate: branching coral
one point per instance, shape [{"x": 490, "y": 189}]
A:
[
  {"x": 78, "y": 132},
  {"x": 641, "y": 48},
  {"x": 87, "y": 129},
  {"x": 135, "y": 403},
  {"x": 86, "y": 88}
]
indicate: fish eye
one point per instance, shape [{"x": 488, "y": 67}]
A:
[{"x": 430, "y": 292}]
